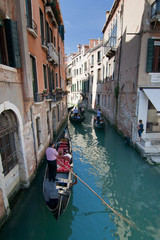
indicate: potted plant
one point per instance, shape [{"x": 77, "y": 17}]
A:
[
  {"x": 59, "y": 90},
  {"x": 54, "y": 91},
  {"x": 45, "y": 92}
]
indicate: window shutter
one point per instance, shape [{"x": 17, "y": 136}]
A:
[
  {"x": 61, "y": 31},
  {"x": 150, "y": 55},
  {"x": 12, "y": 43}
]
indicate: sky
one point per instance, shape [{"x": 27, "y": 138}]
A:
[{"x": 83, "y": 20}]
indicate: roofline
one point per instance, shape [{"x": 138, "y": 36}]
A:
[{"x": 114, "y": 7}]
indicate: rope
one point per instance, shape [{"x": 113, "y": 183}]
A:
[{"x": 118, "y": 214}]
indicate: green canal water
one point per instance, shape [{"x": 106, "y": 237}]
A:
[{"x": 116, "y": 172}]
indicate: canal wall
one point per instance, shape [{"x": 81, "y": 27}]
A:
[{"x": 7, "y": 203}]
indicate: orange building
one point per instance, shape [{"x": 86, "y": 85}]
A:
[{"x": 33, "y": 96}]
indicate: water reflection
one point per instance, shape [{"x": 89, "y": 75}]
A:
[
  {"x": 116, "y": 173},
  {"x": 124, "y": 180}
]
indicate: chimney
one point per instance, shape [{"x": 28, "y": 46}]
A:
[
  {"x": 107, "y": 14},
  {"x": 79, "y": 47}
]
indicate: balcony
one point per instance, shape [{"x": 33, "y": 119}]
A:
[
  {"x": 155, "y": 11},
  {"x": 53, "y": 54},
  {"x": 48, "y": 10},
  {"x": 32, "y": 27},
  {"x": 38, "y": 97},
  {"x": 44, "y": 45},
  {"x": 110, "y": 47}
]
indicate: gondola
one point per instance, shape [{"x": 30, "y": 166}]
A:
[
  {"x": 76, "y": 119},
  {"x": 57, "y": 193},
  {"x": 100, "y": 124}
]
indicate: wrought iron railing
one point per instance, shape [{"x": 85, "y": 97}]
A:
[
  {"x": 38, "y": 97},
  {"x": 31, "y": 24},
  {"x": 155, "y": 8},
  {"x": 111, "y": 44}
]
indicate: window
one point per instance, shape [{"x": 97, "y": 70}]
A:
[
  {"x": 55, "y": 42},
  {"x": 99, "y": 56},
  {"x": 9, "y": 44},
  {"x": 85, "y": 66},
  {"x": 92, "y": 76},
  {"x": 8, "y": 139},
  {"x": 42, "y": 27},
  {"x": 52, "y": 80},
  {"x": 153, "y": 56},
  {"x": 45, "y": 76},
  {"x": 3, "y": 45},
  {"x": 51, "y": 35},
  {"x": 47, "y": 32},
  {"x": 34, "y": 75},
  {"x": 28, "y": 6},
  {"x": 92, "y": 60},
  {"x": 82, "y": 68},
  {"x": 106, "y": 71},
  {"x": 38, "y": 128},
  {"x": 56, "y": 79},
  {"x": 99, "y": 75},
  {"x": 49, "y": 79}
]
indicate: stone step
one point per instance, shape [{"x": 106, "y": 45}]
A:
[{"x": 155, "y": 159}]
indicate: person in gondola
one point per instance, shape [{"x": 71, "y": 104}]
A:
[
  {"x": 67, "y": 154},
  {"x": 98, "y": 115},
  {"x": 75, "y": 112},
  {"x": 51, "y": 156},
  {"x": 80, "y": 108}
]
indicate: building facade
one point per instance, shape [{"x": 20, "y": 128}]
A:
[
  {"x": 132, "y": 48},
  {"x": 32, "y": 89},
  {"x": 125, "y": 84}
]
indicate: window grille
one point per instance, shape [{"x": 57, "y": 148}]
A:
[{"x": 8, "y": 136}]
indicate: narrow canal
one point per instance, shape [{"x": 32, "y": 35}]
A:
[{"x": 116, "y": 172}]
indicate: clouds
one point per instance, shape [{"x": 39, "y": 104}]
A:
[{"x": 67, "y": 24}]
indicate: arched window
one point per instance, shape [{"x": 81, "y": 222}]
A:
[{"x": 8, "y": 140}]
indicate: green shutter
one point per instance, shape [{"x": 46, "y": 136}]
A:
[
  {"x": 61, "y": 31},
  {"x": 12, "y": 43},
  {"x": 150, "y": 55}
]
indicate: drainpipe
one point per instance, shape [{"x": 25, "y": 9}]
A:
[
  {"x": 34, "y": 137},
  {"x": 59, "y": 57}
]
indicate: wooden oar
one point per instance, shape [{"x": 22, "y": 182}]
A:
[{"x": 118, "y": 214}]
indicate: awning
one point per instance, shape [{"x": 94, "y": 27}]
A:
[{"x": 154, "y": 96}]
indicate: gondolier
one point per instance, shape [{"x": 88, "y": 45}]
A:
[
  {"x": 51, "y": 155},
  {"x": 57, "y": 193},
  {"x": 98, "y": 115}
]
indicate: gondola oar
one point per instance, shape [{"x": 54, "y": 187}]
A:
[{"x": 118, "y": 214}]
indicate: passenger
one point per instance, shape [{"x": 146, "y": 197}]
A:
[
  {"x": 140, "y": 130},
  {"x": 75, "y": 112},
  {"x": 67, "y": 154}
]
